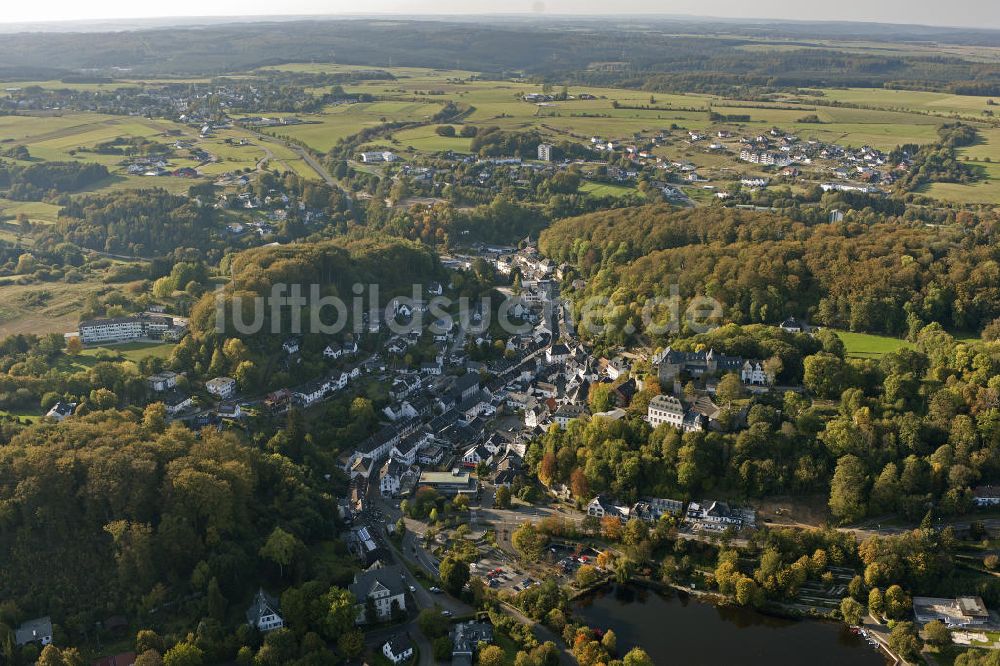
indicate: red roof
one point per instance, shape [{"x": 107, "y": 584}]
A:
[{"x": 123, "y": 659}]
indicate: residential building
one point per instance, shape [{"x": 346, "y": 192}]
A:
[
  {"x": 665, "y": 409},
  {"x": 123, "y": 329},
  {"x": 545, "y": 151},
  {"x": 792, "y": 325},
  {"x": 602, "y": 506},
  {"x": 672, "y": 363},
  {"x": 398, "y": 649},
  {"x": 162, "y": 381},
  {"x": 176, "y": 401},
  {"x": 566, "y": 413},
  {"x": 465, "y": 640},
  {"x": 222, "y": 387},
  {"x": 983, "y": 496},
  {"x": 753, "y": 373},
  {"x": 38, "y": 631},
  {"x": 391, "y": 477},
  {"x": 384, "y": 588},
  {"x": 61, "y": 410},
  {"x": 720, "y": 514},
  {"x": 263, "y": 613}
]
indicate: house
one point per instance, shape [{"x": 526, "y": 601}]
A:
[
  {"x": 753, "y": 373},
  {"x": 616, "y": 368},
  {"x": 223, "y": 387},
  {"x": 956, "y": 613},
  {"x": 435, "y": 289},
  {"x": 566, "y": 413},
  {"x": 474, "y": 455},
  {"x": 162, "y": 381},
  {"x": 602, "y": 506},
  {"x": 382, "y": 589},
  {"x": 672, "y": 363},
  {"x": 557, "y": 353},
  {"x": 291, "y": 346},
  {"x": 465, "y": 640},
  {"x": 624, "y": 392},
  {"x": 507, "y": 469},
  {"x": 718, "y": 514},
  {"x": 263, "y": 613},
  {"x": 665, "y": 409},
  {"x": 34, "y": 631},
  {"x": 653, "y": 508},
  {"x": 983, "y": 496},
  {"x": 333, "y": 350},
  {"x": 391, "y": 477},
  {"x": 535, "y": 415},
  {"x": 398, "y": 649},
  {"x": 230, "y": 410},
  {"x": 61, "y": 410},
  {"x": 792, "y": 325},
  {"x": 176, "y": 401}
]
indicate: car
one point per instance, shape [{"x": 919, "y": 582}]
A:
[
  {"x": 447, "y": 613},
  {"x": 435, "y": 590},
  {"x": 413, "y": 589}
]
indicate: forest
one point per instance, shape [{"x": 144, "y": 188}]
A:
[
  {"x": 889, "y": 276},
  {"x": 43, "y": 180}
]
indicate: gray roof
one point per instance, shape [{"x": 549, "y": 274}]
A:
[
  {"x": 34, "y": 630},
  {"x": 399, "y": 644},
  {"x": 263, "y": 604},
  {"x": 389, "y": 577}
]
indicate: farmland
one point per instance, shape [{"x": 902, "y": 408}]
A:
[{"x": 853, "y": 118}]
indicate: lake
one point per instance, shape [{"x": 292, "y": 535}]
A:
[{"x": 677, "y": 629}]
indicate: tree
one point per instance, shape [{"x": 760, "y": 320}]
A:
[
  {"x": 730, "y": 388},
  {"x": 216, "y": 602},
  {"x": 610, "y": 641},
  {"x": 637, "y": 657},
  {"x": 149, "y": 658},
  {"x": 184, "y": 654},
  {"x": 876, "y": 604},
  {"x": 281, "y": 548},
  {"x": 903, "y": 639},
  {"x": 491, "y": 655},
  {"x": 529, "y": 542},
  {"x": 586, "y": 576},
  {"x": 579, "y": 485},
  {"x": 937, "y": 633},
  {"x": 340, "y": 612},
  {"x": 74, "y": 346},
  {"x": 432, "y": 623},
  {"x": 852, "y": 611},
  {"x": 611, "y": 528},
  {"x": 351, "y": 643},
  {"x": 147, "y": 639},
  {"x": 847, "y": 489},
  {"x": 454, "y": 575},
  {"x": 897, "y": 603},
  {"x": 502, "y": 499}
]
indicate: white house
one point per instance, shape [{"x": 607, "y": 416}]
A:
[
  {"x": 753, "y": 373},
  {"x": 333, "y": 350},
  {"x": 61, "y": 410},
  {"x": 384, "y": 587},
  {"x": 665, "y": 409},
  {"x": 291, "y": 346},
  {"x": 223, "y": 387},
  {"x": 162, "y": 381},
  {"x": 263, "y": 613},
  {"x": 398, "y": 649}
]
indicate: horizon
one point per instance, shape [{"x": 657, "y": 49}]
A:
[{"x": 29, "y": 19}]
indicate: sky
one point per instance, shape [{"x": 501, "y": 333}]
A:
[{"x": 966, "y": 13}]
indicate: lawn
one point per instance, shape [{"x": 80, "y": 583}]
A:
[
  {"x": 866, "y": 345},
  {"x": 607, "y": 189},
  {"x": 130, "y": 351}
]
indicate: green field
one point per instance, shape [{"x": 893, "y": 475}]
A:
[
  {"x": 866, "y": 345},
  {"x": 607, "y": 189},
  {"x": 130, "y": 351}
]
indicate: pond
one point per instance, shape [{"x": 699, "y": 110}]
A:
[{"x": 677, "y": 629}]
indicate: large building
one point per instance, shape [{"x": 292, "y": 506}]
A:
[
  {"x": 665, "y": 409},
  {"x": 123, "y": 329},
  {"x": 672, "y": 363},
  {"x": 455, "y": 482},
  {"x": 545, "y": 152},
  {"x": 960, "y": 612}
]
